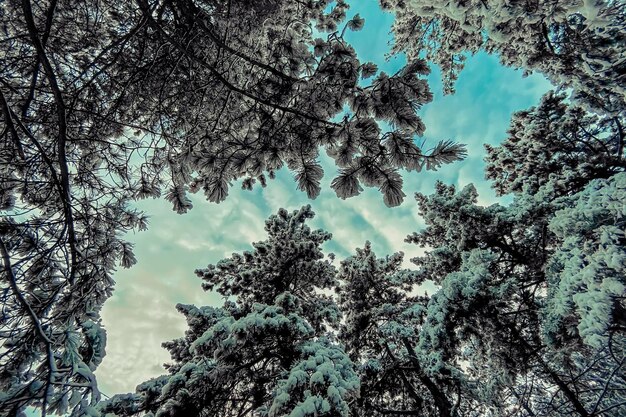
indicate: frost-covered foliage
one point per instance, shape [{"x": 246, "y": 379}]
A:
[
  {"x": 286, "y": 268},
  {"x": 270, "y": 350},
  {"x": 587, "y": 273},
  {"x": 373, "y": 294},
  {"x": 279, "y": 347},
  {"x": 236, "y": 91},
  {"x": 529, "y": 317},
  {"x": 380, "y": 334},
  {"x": 557, "y": 148},
  {"x": 323, "y": 382},
  {"x": 521, "y": 329},
  {"x": 575, "y": 43},
  {"x": 481, "y": 260}
]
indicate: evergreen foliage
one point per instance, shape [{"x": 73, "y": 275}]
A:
[
  {"x": 270, "y": 350},
  {"x": 106, "y": 102},
  {"x": 528, "y": 319},
  {"x": 575, "y": 43}
]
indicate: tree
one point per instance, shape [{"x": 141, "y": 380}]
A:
[
  {"x": 573, "y": 161},
  {"x": 497, "y": 304},
  {"x": 269, "y": 350},
  {"x": 281, "y": 345},
  {"x": 64, "y": 190},
  {"x": 528, "y": 318},
  {"x": 531, "y": 295},
  {"x": 577, "y": 44},
  {"x": 380, "y": 332},
  {"x": 240, "y": 100},
  {"x": 102, "y": 103},
  {"x": 586, "y": 272},
  {"x": 515, "y": 329},
  {"x": 105, "y": 102}
]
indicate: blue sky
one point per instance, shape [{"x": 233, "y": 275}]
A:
[{"x": 141, "y": 314}]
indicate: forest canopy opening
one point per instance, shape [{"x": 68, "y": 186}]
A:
[{"x": 105, "y": 103}]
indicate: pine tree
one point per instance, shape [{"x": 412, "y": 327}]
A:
[
  {"x": 528, "y": 319},
  {"x": 106, "y": 102},
  {"x": 497, "y": 324},
  {"x": 556, "y": 148},
  {"x": 269, "y": 351},
  {"x": 380, "y": 332},
  {"x": 530, "y": 313}
]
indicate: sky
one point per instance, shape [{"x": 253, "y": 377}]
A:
[{"x": 141, "y": 313}]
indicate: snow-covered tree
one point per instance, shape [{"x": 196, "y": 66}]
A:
[
  {"x": 269, "y": 350},
  {"x": 531, "y": 296},
  {"x": 64, "y": 193},
  {"x": 587, "y": 273},
  {"x": 528, "y": 318},
  {"x": 105, "y": 102},
  {"x": 239, "y": 97},
  {"x": 575, "y": 43},
  {"x": 380, "y": 330},
  {"x": 530, "y": 312},
  {"x": 505, "y": 321}
]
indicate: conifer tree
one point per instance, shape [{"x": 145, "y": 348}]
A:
[
  {"x": 103, "y": 103},
  {"x": 531, "y": 302},
  {"x": 269, "y": 351},
  {"x": 380, "y": 333},
  {"x": 528, "y": 318},
  {"x": 556, "y": 148}
]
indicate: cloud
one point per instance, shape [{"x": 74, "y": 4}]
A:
[{"x": 136, "y": 325}]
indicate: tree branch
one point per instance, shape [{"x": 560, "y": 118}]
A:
[
  {"x": 569, "y": 394},
  {"x": 9, "y": 121},
  {"x": 441, "y": 401},
  {"x": 145, "y": 8},
  {"x": 44, "y": 40},
  {"x": 412, "y": 393},
  {"x": 62, "y": 139},
  {"x": 620, "y": 133},
  {"x": 224, "y": 46},
  {"x": 606, "y": 385}
]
